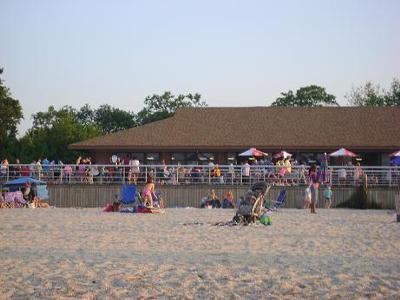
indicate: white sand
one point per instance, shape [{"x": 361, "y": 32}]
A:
[{"x": 87, "y": 254}]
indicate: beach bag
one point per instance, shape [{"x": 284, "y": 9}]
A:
[{"x": 266, "y": 219}]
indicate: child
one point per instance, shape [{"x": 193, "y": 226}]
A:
[
  {"x": 148, "y": 191},
  {"x": 328, "y": 196},
  {"x": 307, "y": 197},
  {"x": 228, "y": 201}
]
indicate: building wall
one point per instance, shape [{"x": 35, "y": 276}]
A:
[{"x": 368, "y": 158}]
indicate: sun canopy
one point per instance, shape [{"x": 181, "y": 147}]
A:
[
  {"x": 24, "y": 180},
  {"x": 395, "y": 160},
  {"x": 395, "y": 154},
  {"x": 342, "y": 152},
  {"x": 283, "y": 154},
  {"x": 253, "y": 152}
]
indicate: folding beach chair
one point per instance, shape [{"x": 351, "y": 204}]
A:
[
  {"x": 129, "y": 194},
  {"x": 280, "y": 200},
  {"x": 8, "y": 201}
]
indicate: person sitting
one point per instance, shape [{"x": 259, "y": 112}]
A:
[
  {"x": 211, "y": 201},
  {"x": 228, "y": 202},
  {"x": 114, "y": 207},
  {"x": 214, "y": 200},
  {"x": 148, "y": 191}
]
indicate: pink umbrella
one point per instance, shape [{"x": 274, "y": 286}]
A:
[
  {"x": 342, "y": 152},
  {"x": 283, "y": 154},
  {"x": 395, "y": 154},
  {"x": 253, "y": 152}
]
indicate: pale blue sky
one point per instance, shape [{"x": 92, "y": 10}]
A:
[{"x": 234, "y": 53}]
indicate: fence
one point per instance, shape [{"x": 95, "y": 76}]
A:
[
  {"x": 205, "y": 174},
  {"x": 97, "y": 195}
]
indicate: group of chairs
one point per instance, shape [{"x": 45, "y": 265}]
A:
[
  {"x": 16, "y": 200},
  {"x": 253, "y": 204},
  {"x": 12, "y": 200}
]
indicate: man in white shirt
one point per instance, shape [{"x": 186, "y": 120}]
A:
[{"x": 246, "y": 172}]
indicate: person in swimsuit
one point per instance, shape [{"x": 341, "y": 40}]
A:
[{"x": 147, "y": 192}]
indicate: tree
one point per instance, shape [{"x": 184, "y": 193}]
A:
[
  {"x": 52, "y": 132},
  {"x": 111, "y": 119},
  {"x": 367, "y": 95},
  {"x": 373, "y": 95},
  {"x": 392, "y": 98},
  {"x": 86, "y": 115},
  {"x": 308, "y": 96},
  {"x": 10, "y": 116},
  {"x": 158, "y": 107}
]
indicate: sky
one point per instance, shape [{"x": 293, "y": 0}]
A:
[{"x": 234, "y": 53}]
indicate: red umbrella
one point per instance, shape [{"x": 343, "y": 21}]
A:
[
  {"x": 342, "y": 152},
  {"x": 253, "y": 152}
]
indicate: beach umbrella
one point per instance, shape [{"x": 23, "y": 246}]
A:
[
  {"x": 253, "y": 152},
  {"x": 342, "y": 152},
  {"x": 395, "y": 154},
  {"x": 395, "y": 160},
  {"x": 23, "y": 181},
  {"x": 283, "y": 154}
]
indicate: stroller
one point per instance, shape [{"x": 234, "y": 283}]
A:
[{"x": 251, "y": 205}]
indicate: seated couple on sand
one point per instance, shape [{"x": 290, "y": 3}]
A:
[{"x": 212, "y": 201}]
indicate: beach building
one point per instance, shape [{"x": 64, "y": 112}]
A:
[{"x": 219, "y": 134}]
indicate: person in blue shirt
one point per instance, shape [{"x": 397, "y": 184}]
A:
[{"x": 328, "y": 196}]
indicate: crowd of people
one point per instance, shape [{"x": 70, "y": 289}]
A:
[{"x": 280, "y": 171}]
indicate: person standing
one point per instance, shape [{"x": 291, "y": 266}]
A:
[
  {"x": 148, "y": 191},
  {"x": 134, "y": 166},
  {"x": 246, "y": 172},
  {"x": 314, "y": 195},
  {"x": 328, "y": 196},
  {"x": 307, "y": 197}
]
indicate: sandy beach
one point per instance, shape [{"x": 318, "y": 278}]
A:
[{"x": 86, "y": 254}]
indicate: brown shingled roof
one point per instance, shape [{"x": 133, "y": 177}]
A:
[{"x": 261, "y": 127}]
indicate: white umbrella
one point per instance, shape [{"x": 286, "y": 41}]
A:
[
  {"x": 253, "y": 152},
  {"x": 283, "y": 154},
  {"x": 342, "y": 152}
]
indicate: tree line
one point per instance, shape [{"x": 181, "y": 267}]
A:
[{"x": 53, "y": 130}]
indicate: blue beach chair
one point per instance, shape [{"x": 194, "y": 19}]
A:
[
  {"x": 128, "y": 194},
  {"x": 280, "y": 200},
  {"x": 274, "y": 205}
]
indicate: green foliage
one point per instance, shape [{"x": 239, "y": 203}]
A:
[
  {"x": 111, "y": 119},
  {"x": 367, "y": 95},
  {"x": 308, "y": 96},
  {"x": 158, "y": 107},
  {"x": 52, "y": 132},
  {"x": 373, "y": 95},
  {"x": 10, "y": 116},
  {"x": 392, "y": 98}
]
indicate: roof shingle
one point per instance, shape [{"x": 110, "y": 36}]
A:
[{"x": 262, "y": 127}]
